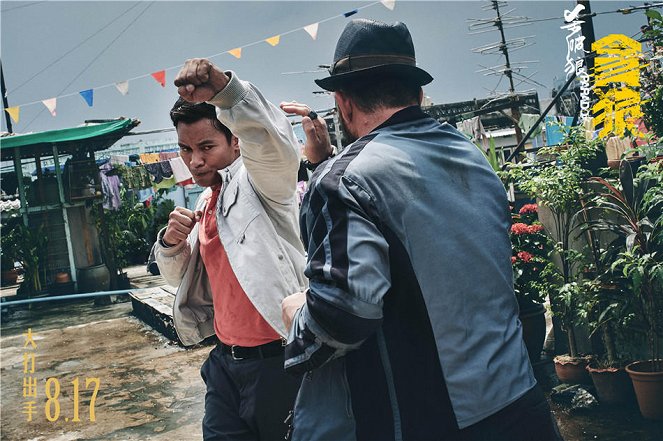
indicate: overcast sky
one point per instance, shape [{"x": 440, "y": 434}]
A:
[{"x": 54, "y": 49}]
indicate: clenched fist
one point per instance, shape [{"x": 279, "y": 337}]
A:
[
  {"x": 180, "y": 224},
  {"x": 199, "y": 80}
]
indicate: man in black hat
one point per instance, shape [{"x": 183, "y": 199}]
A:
[{"x": 409, "y": 329}]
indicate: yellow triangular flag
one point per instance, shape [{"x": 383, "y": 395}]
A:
[
  {"x": 389, "y": 4},
  {"x": 237, "y": 53},
  {"x": 312, "y": 30},
  {"x": 14, "y": 112},
  {"x": 274, "y": 40}
]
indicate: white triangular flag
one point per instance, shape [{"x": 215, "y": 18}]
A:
[
  {"x": 389, "y": 4},
  {"x": 312, "y": 30},
  {"x": 122, "y": 87},
  {"x": 51, "y": 104}
]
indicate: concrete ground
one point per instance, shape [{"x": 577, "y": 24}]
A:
[{"x": 150, "y": 388}]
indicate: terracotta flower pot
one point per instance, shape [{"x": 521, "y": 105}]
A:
[
  {"x": 613, "y": 386},
  {"x": 648, "y": 387},
  {"x": 572, "y": 370}
]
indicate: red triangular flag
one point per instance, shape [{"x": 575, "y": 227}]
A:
[{"x": 160, "y": 77}]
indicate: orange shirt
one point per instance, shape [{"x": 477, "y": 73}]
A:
[{"x": 236, "y": 320}]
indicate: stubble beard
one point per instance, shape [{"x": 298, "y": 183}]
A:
[{"x": 345, "y": 132}]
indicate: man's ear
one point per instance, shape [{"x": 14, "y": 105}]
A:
[
  {"x": 234, "y": 144},
  {"x": 345, "y": 105}
]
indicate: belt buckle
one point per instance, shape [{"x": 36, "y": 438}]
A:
[{"x": 232, "y": 353}]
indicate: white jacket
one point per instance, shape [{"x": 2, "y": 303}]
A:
[{"x": 257, "y": 219}]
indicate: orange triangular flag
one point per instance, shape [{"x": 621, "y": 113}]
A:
[
  {"x": 14, "y": 112},
  {"x": 51, "y": 104},
  {"x": 237, "y": 53},
  {"x": 274, "y": 40},
  {"x": 312, "y": 30},
  {"x": 160, "y": 77}
]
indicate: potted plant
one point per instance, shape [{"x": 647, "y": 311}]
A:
[
  {"x": 533, "y": 274},
  {"x": 556, "y": 180},
  {"x": 633, "y": 211},
  {"x": 30, "y": 252}
]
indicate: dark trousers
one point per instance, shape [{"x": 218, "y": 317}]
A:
[
  {"x": 527, "y": 419},
  {"x": 246, "y": 399}
]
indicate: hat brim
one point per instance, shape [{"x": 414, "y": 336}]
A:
[{"x": 419, "y": 76}]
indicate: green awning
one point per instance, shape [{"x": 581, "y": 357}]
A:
[{"x": 92, "y": 136}]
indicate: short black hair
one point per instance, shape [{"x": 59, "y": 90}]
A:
[
  {"x": 186, "y": 112},
  {"x": 371, "y": 92}
]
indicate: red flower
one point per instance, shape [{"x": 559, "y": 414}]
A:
[
  {"x": 535, "y": 228},
  {"x": 519, "y": 228},
  {"x": 529, "y": 208},
  {"x": 513, "y": 260},
  {"x": 524, "y": 256}
]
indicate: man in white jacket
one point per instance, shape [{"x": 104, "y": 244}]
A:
[{"x": 239, "y": 253}]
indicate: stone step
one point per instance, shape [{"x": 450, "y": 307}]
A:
[{"x": 154, "y": 306}]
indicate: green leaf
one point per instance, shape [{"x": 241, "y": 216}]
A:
[{"x": 653, "y": 14}]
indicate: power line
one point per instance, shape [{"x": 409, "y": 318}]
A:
[
  {"x": 5, "y": 10},
  {"x": 345, "y": 15},
  {"x": 61, "y": 57},
  {"x": 623, "y": 11},
  {"x": 96, "y": 58}
]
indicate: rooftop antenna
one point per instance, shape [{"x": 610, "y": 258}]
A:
[{"x": 503, "y": 20}]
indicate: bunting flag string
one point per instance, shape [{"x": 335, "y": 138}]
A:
[{"x": 160, "y": 76}]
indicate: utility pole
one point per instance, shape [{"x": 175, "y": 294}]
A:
[
  {"x": 515, "y": 111},
  {"x": 5, "y": 104}
]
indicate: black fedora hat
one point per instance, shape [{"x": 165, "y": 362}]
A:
[{"x": 368, "y": 47}]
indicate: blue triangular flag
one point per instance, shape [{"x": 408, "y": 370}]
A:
[{"x": 88, "y": 96}]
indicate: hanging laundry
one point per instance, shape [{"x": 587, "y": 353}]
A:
[
  {"x": 166, "y": 183},
  {"x": 164, "y": 156},
  {"x": 465, "y": 127},
  {"x": 556, "y": 129},
  {"x": 154, "y": 170},
  {"x": 149, "y": 158},
  {"x": 166, "y": 169},
  {"x": 119, "y": 159},
  {"x": 180, "y": 170},
  {"x": 473, "y": 128},
  {"x": 527, "y": 120},
  {"x": 145, "y": 194},
  {"x": 110, "y": 187}
]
